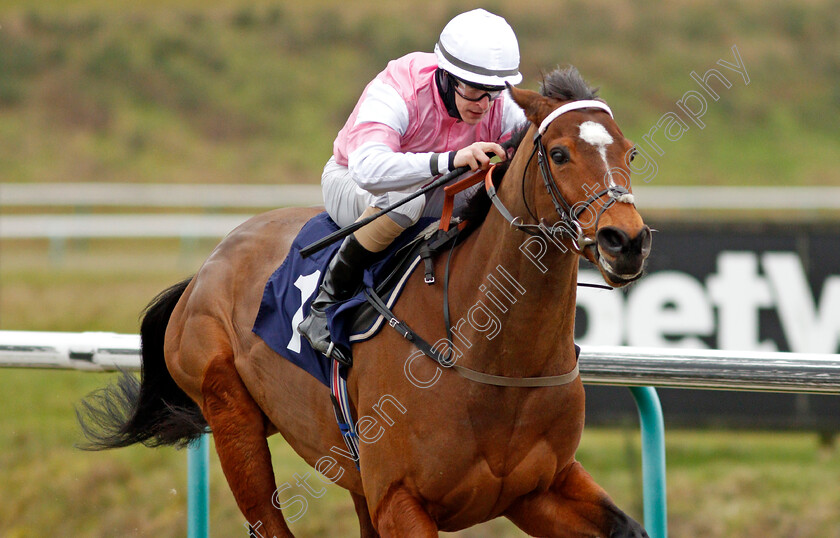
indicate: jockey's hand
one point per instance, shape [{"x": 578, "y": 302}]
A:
[{"x": 475, "y": 155}]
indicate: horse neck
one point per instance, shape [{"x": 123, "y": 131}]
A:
[{"x": 518, "y": 308}]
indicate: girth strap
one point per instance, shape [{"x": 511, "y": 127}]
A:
[{"x": 473, "y": 375}]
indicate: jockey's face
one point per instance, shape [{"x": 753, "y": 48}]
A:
[
  {"x": 473, "y": 103},
  {"x": 472, "y": 112}
]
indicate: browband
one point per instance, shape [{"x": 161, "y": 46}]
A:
[{"x": 574, "y": 105}]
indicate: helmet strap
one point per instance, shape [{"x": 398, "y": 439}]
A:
[{"x": 447, "y": 92}]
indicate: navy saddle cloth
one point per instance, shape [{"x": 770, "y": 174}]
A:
[{"x": 294, "y": 285}]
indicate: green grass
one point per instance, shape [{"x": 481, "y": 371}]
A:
[
  {"x": 719, "y": 484},
  {"x": 256, "y": 91}
]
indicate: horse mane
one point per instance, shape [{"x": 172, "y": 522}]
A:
[{"x": 564, "y": 84}]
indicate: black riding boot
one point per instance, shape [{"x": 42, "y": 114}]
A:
[{"x": 341, "y": 282}]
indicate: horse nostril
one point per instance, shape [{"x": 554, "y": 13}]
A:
[{"x": 612, "y": 240}]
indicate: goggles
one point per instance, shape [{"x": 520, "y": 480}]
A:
[{"x": 475, "y": 93}]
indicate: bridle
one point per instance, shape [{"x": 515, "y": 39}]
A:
[{"x": 569, "y": 223}]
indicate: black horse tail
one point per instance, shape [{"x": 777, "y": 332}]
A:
[{"x": 153, "y": 411}]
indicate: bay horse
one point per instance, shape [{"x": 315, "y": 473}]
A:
[{"x": 439, "y": 452}]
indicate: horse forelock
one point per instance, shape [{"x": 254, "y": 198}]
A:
[{"x": 567, "y": 84}]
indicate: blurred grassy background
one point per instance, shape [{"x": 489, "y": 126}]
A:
[
  {"x": 237, "y": 91},
  {"x": 254, "y": 91}
]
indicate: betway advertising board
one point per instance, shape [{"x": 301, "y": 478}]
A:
[{"x": 733, "y": 286}]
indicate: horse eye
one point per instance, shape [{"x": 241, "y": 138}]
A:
[
  {"x": 560, "y": 155},
  {"x": 632, "y": 155}
]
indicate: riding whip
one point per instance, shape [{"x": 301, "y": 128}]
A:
[{"x": 347, "y": 230}]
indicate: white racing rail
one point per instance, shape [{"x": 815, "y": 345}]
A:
[
  {"x": 157, "y": 195},
  {"x": 807, "y": 201},
  {"x": 94, "y": 351},
  {"x": 602, "y": 365},
  {"x": 711, "y": 369},
  {"x": 60, "y": 227},
  {"x": 650, "y": 196}
]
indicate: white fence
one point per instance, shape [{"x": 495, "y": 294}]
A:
[
  {"x": 95, "y": 351},
  {"x": 265, "y": 196},
  {"x": 59, "y": 227},
  {"x": 603, "y": 365},
  {"x": 86, "y": 196},
  {"x": 157, "y": 195}
]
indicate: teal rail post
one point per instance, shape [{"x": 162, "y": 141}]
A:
[
  {"x": 198, "y": 490},
  {"x": 653, "y": 460}
]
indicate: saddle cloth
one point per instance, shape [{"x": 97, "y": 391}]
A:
[{"x": 294, "y": 285}]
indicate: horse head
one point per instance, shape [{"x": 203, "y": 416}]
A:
[{"x": 578, "y": 177}]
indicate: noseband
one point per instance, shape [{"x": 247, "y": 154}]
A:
[{"x": 569, "y": 223}]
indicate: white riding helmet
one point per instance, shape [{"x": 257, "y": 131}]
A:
[{"x": 480, "y": 48}]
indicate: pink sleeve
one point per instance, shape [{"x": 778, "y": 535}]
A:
[{"x": 372, "y": 132}]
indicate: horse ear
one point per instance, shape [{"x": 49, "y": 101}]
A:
[{"x": 536, "y": 106}]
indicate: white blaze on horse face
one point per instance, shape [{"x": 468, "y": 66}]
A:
[{"x": 596, "y": 135}]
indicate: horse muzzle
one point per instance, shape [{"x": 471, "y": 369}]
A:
[{"x": 621, "y": 258}]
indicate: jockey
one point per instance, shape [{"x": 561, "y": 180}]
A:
[{"x": 424, "y": 115}]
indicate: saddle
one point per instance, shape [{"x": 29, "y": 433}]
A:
[
  {"x": 292, "y": 287},
  {"x": 366, "y": 320}
]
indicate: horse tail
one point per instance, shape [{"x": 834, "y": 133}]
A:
[{"x": 153, "y": 411}]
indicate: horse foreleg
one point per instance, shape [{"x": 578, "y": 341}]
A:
[
  {"x": 400, "y": 514},
  {"x": 366, "y": 528},
  {"x": 239, "y": 432},
  {"x": 574, "y": 506}
]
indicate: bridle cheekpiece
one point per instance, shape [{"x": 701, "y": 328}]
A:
[{"x": 569, "y": 223}]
